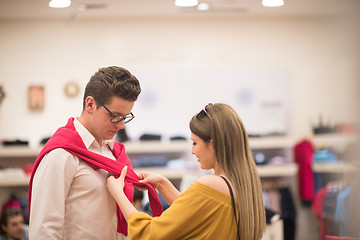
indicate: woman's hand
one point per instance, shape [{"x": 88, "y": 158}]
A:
[
  {"x": 115, "y": 185},
  {"x": 153, "y": 179},
  {"x": 116, "y": 189},
  {"x": 162, "y": 184}
]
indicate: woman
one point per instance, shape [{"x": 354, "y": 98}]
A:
[{"x": 205, "y": 210}]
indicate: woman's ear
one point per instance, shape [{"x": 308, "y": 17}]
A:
[{"x": 211, "y": 145}]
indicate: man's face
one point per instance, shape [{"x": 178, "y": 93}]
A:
[
  {"x": 15, "y": 227},
  {"x": 102, "y": 128}
]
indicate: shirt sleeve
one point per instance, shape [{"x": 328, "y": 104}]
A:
[{"x": 51, "y": 185}]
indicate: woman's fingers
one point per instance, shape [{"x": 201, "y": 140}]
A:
[{"x": 123, "y": 172}]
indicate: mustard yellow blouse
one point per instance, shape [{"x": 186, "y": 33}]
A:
[{"x": 200, "y": 212}]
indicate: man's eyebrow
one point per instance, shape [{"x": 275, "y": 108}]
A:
[{"x": 118, "y": 113}]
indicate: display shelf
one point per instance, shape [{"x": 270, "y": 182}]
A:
[
  {"x": 337, "y": 167},
  {"x": 166, "y": 172},
  {"x": 283, "y": 170},
  {"x": 153, "y": 147},
  {"x": 278, "y": 170},
  {"x": 185, "y": 146},
  {"x": 131, "y": 147},
  {"x": 18, "y": 152},
  {"x": 12, "y": 181},
  {"x": 271, "y": 142},
  {"x": 333, "y": 140},
  {"x": 157, "y": 147},
  {"x": 21, "y": 154}
]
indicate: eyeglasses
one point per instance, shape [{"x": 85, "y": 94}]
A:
[{"x": 118, "y": 118}]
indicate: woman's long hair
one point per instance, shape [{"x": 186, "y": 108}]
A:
[{"x": 221, "y": 124}]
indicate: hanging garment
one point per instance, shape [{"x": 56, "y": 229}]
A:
[
  {"x": 317, "y": 207},
  {"x": 329, "y": 208},
  {"x": 340, "y": 238},
  {"x": 303, "y": 152},
  {"x": 67, "y": 138},
  {"x": 288, "y": 213},
  {"x": 342, "y": 209}
]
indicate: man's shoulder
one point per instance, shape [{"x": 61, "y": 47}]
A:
[{"x": 59, "y": 153}]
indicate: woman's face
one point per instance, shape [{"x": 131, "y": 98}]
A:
[{"x": 204, "y": 152}]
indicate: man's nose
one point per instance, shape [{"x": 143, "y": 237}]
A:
[{"x": 120, "y": 125}]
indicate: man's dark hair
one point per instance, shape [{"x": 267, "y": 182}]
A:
[
  {"x": 112, "y": 81},
  {"x": 5, "y": 215}
]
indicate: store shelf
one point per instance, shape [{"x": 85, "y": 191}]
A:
[
  {"x": 338, "y": 167},
  {"x": 22, "y": 154},
  {"x": 18, "y": 152},
  {"x": 278, "y": 170},
  {"x": 283, "y": 170},
  {"x": 153, "y": 147},
  {"x": 131, "y": 147},
  {"x": 166, "y": 172},
  {"x": 271, "y": 142},
  {"x": 333, "y": 140},
  {"x": 14, "y": 181},
  {"x": 157, "y": 147}
]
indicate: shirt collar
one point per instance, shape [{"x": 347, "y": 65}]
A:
[{"x": 88, "y": 138}]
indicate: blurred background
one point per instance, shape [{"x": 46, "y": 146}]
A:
[{"x": 291, "y": 72}]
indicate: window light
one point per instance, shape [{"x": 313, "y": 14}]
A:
[
  {"x": 272, "y": 3},
  {"x": 59, "y": 3}
]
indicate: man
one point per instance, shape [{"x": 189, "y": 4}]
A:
[
  {"x": 12, "y": 225},
  {"x": 68, "y": 197}
]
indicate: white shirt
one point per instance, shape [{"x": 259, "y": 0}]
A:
[{"x": 70, "y": 199}]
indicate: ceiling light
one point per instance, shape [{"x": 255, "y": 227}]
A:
[
  {"x": 186, "y": 3},
  {"x": 59, "y": 3},
  {"x": 272, "y": 3},
  {"x": 203, "y": 6}
]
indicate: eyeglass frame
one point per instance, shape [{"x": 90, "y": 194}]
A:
[{"x": 126, "y": 118}]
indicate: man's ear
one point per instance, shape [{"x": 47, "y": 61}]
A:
[
  {"x": 3, "y": 227},
  {"x": 90, "y": 104}
]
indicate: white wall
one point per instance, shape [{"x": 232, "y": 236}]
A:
[{"x": 321, "y": 55}]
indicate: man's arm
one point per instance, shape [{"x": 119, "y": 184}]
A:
[{"x": 51, "y": 185}]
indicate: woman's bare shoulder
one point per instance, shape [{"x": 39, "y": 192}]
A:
[{"x": 215, "y": 182}]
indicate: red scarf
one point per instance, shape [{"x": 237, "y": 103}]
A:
[{"x": 68, "y": 138}]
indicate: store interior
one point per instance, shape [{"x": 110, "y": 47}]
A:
[{"x": 291, "y": 73}]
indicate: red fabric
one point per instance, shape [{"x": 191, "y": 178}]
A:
[
  {"x": 68, "y": 138},
  {"x": 317, "y": 207},
  {"x": 340, "y": 238},
  {"x": 12, "y": 203},
  {"x": 303, "y": 152}
]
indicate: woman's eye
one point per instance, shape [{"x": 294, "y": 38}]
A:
[{"x": 193, "y": 143}]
